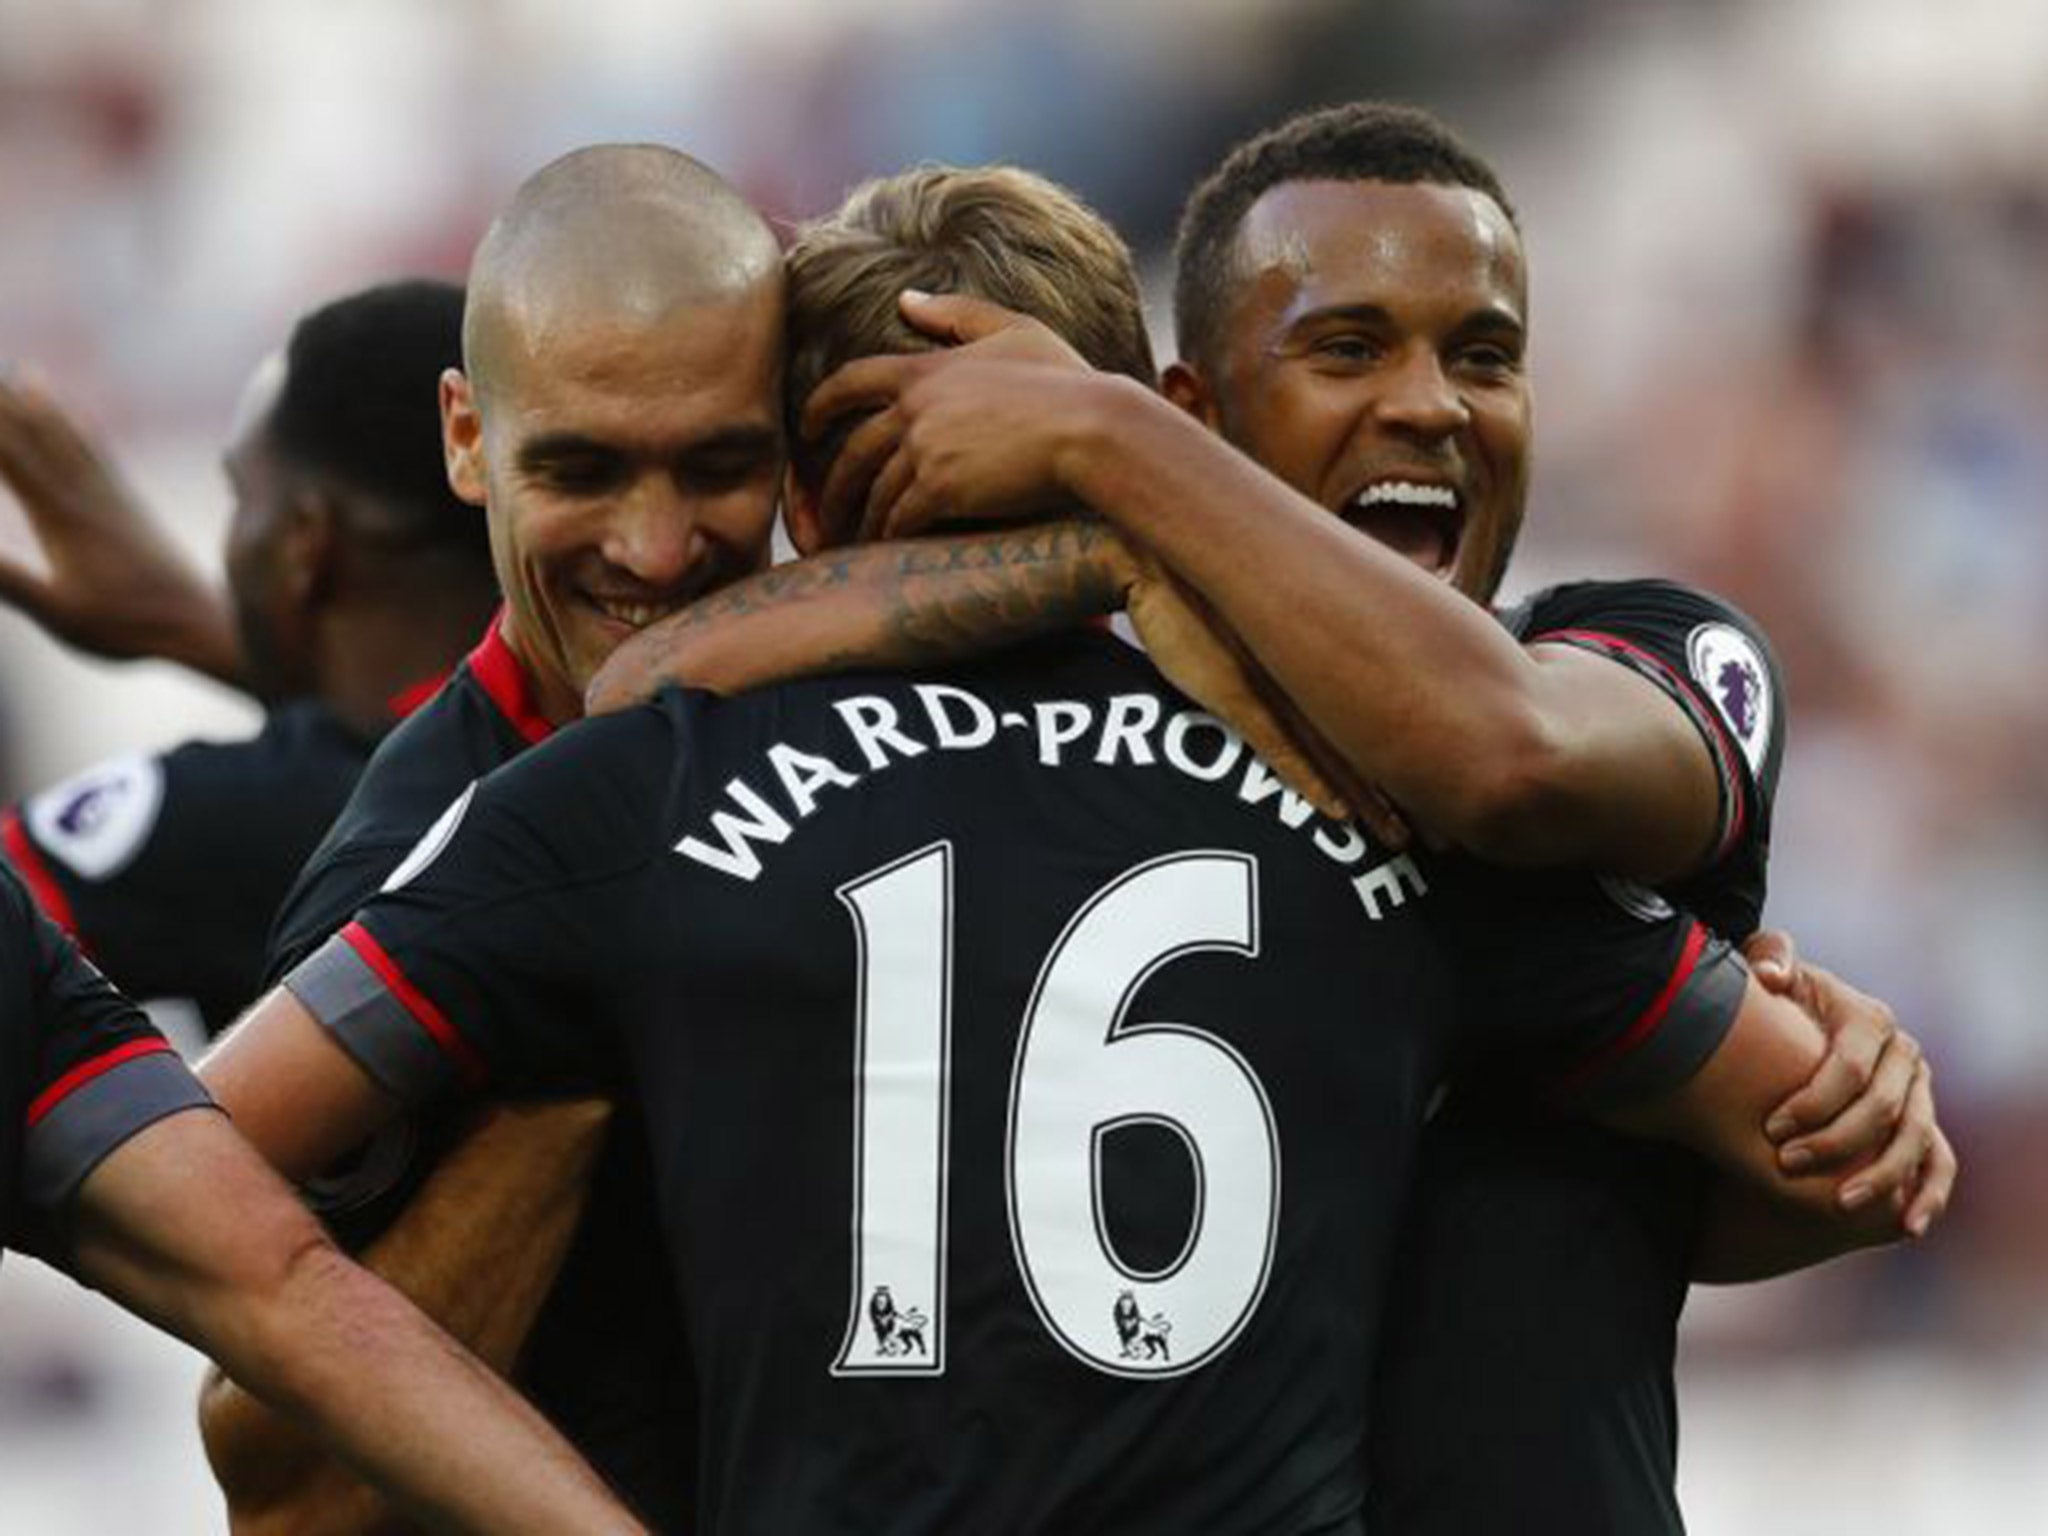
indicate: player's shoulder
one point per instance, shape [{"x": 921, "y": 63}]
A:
[
  {"x": 453, "y": 739},
  {"x": 1649, "y": 605},
  {"x": 305, "y": 756},
  {"x": 1693, "y": 641}
]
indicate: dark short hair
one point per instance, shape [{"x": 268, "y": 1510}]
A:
[
  {"x": 360, "y": 405},
  {"x": 994, "y": 232},
  {"x": 1359, "y": 141}
]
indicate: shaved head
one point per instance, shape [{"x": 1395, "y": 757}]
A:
[
  {"x": 618, "y": 414},
  {"x": 615, "y": 236}
]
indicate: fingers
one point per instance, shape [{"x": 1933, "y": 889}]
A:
[
  {"x": 891, "y": 510},
  {"x": 1870, "y": 1119},
  {"x": 1896, "y": 1171},
  {"x": 842, "y": 503},
  {"x": 1929, "y": 1203},
  {"x": 1859, "y": 1029},
  {"x": 865, "y": 384},
  {"x": 1774, "y": 959},
  {"x": 958, "y": 317}
]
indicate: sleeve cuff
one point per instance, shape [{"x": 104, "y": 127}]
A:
[
  {"x": 74, "y": 1132},
  {"x": 356, "y": 992},
  {"x": 1674, "y": 1037}
]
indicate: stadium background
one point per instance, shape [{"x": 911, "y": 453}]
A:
[{"x": 1790, "y": 261}]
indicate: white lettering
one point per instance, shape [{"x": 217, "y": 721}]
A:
[
  {"x": 937, "y": 697},
  {"x": 737, "y": 857},
  {"x": 1388, "y": 885},
  {"x": 1130, "y": 716},
  {"x": 1348, "y": 848},
  {"x": 873, "y": 723},
  {"x": 1261, "y": 783},
  {"x": 803, "y": 774},
  {"x": 1059, "y": 722},
  {"x": 1230, "y": 745}
]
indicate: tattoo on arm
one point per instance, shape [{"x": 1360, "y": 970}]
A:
[
  {"x": 947, "y": 596},
  {"x": 954, "y": 596}
]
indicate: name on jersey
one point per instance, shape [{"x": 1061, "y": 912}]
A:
[{"x": 761, "y": 811}]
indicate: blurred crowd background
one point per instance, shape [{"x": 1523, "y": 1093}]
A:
[{"x": 1790, "y": 268}]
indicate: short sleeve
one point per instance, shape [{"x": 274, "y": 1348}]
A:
[
  {"x": 99, "y": 1073},
  {"x": 1588, "y": 991},
  {"x": 1709, "y": 657},
  {"x": 492, "y": 955}
]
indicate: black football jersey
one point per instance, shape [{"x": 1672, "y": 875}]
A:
[
  {"x": 168, "y": 869},
  {"x": 81, "y": 1071},
  {"x": 1527, "y": 1383},
  {"x": 1032, "y": 1079},
  {"x": 605, "y": 1355}
]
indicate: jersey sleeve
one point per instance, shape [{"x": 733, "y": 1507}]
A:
[
  {"x": 1590, "y": 992},
  {"x": 167, "y": 869},
  {"x": 99, "y": 1073},
  {"x": 73, "y": 843},
  {"x": 491, "y": 958},
  {"x": 1709, "y": 657}
]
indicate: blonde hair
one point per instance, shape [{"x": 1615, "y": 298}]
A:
[{"x": 995, "y": 232}]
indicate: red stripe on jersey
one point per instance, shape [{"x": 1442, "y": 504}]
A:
[
  {"x": 504, "y": 681},
  {"x": 406, "y": 700},
  {"x": 1646, "y": 1025},
  {"x": 1724, "y": 750},
  {"x": 27, "y": 860},
  {"x": 468, "y": 1064},
  {"x": 85, "y": 1072}
]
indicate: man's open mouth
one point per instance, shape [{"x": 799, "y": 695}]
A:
[{"x": 1418, "y": 520}]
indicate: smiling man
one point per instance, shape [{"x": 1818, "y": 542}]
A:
[
  {"x": 618, "y": 416},
  {"x": 1032, "y": 1081},
  {"x": 1347, "y": 469}
]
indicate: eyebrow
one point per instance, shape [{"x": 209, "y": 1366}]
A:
[
  {"x": 554, "y": 447},
  {"x": 1491, "y": 317}
]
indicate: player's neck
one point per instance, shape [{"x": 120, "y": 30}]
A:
[
  {"x": 552, "y": 695},
  {"x": 370, "y": 660}
]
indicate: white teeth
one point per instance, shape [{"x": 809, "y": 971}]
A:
[
  {"x": 636, "y": 615},
  {"x": 1407, "y": 493}
]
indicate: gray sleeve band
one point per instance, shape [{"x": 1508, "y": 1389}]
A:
[
  {"x": 97, "y": 1117},
  {"x": 351, "y": 1001}
]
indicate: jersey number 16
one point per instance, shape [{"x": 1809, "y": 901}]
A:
[{"x": 1083, "y": 1069}]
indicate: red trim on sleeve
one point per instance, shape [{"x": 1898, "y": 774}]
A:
[
  {"x": 85, "y": 1072},
  {"x": 27, "y": 860},
  {"x": 1646, "y": 1025},
  {"x": 1723, "y": 748},
  {"x": 468, "y": 1064},
  {"x": 504, "y": 681}
]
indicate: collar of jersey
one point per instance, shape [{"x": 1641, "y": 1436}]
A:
[{"x": 506, "y": 683}]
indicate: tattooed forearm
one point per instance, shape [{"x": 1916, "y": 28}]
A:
[
  {"x": 911, "y": 603},
  {"x": 958, "y": 597},
  {"x": 766, "y": 589}
]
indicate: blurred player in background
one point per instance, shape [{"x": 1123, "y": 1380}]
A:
[
  {"x": 355, "y": 579},
  {"x": 731, "y": 903},
  {"x": 618, "y": 417},
  {"x": 106, "y": 1171},
  {"x": 1352, "y": 312}
]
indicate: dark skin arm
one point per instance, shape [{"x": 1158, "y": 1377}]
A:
[
  {"x": 186, "y": 1226},
  {"x": 1536, "y": 756},
  {"x": 1865, "y": 1116},
  {"x": 477, "y": 1249},
  {"x": 92, "y": 567},
  {"x": 1774, "y": 1049}
]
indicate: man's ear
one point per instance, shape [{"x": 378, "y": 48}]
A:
[
  {"x": 800, "y": 514},
  {"x": 309, "y": 549},
  {"x": 1184, "y": 385},
  {"x": 462, "y": 438}
]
